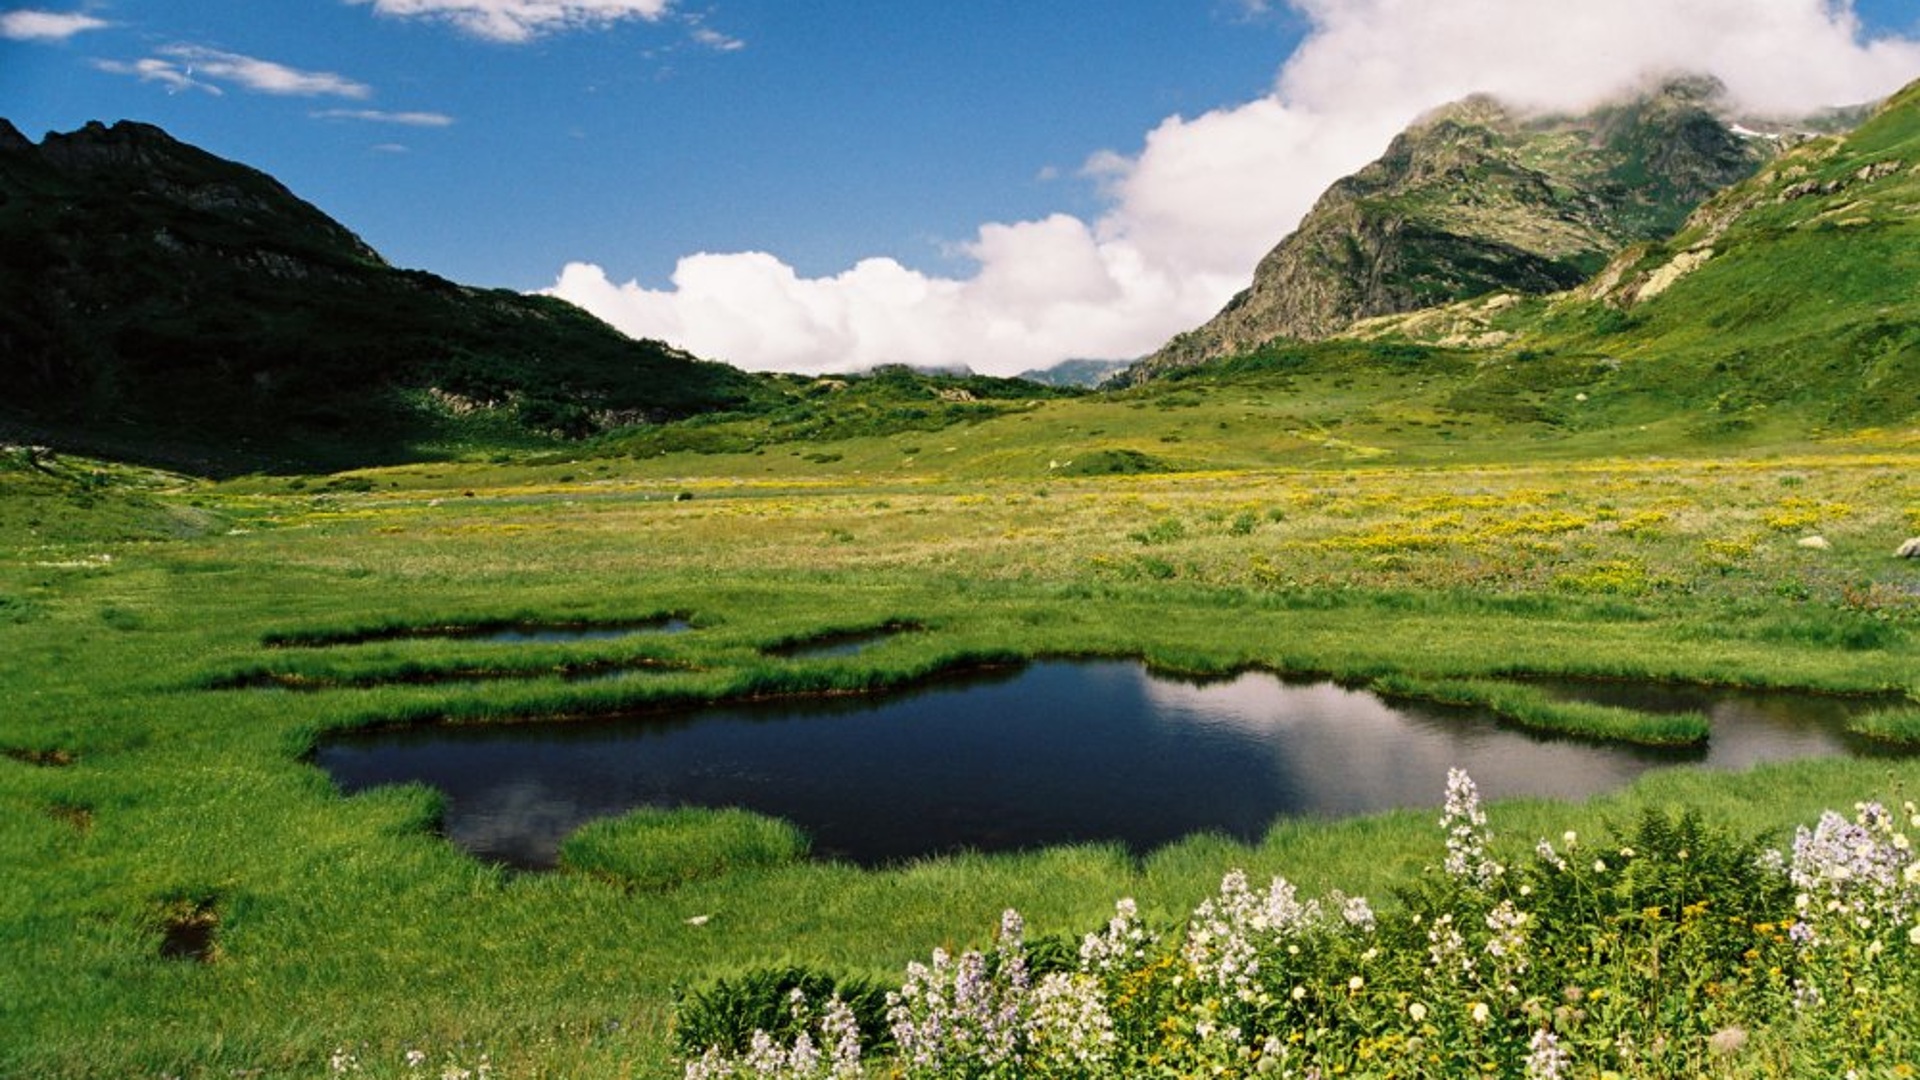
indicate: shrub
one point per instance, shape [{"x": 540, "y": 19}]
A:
[
  {"x": 1113, "y": 463},
  {"x": 1674, "y": 947},
  {"x": 726, "y": 1012}
]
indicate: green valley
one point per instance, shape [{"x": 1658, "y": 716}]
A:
[{"x": 1696, "y": 468}]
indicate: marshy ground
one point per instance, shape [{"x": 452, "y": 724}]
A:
[{"x": 188, "y": 895}]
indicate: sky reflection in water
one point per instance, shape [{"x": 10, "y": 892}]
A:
[{"x": 1052, "y": 753}]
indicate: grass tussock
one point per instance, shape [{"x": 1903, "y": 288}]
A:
[
  {"x": 658, "y": 849},
  {"x": 1899, "y": 726},
  {"x": 1534, "y": 709}
]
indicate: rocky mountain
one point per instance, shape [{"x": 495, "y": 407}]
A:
[
  {"x": 1476, "y": 198},
  {"x": 159, "y": 300},
  {"x": 1788, "y": 302}
]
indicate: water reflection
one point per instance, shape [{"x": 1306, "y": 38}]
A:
[{"x": 1048, "y": 754}]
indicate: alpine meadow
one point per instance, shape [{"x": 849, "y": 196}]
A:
[{"x": 1567, "y": 429}]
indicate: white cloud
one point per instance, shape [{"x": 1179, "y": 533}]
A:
[
  {"x": 1776, "y": 55},
  {"x": 1193, "y": 210},
  {"x": 184, "y": 67},
  {"x": 516, "y": 21},
  {"x": 717, "y": 41},
  {"x": 378, "y": 116},
  {"x": 264, "y": 76},
  {"x": 165, "y": 72},
  {"x": 29, "y": 25}
]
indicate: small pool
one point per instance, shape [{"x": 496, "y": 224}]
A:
[{"x": 1050, "y": 753}]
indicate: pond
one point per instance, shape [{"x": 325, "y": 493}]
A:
[{"x": 1050, "y": 753}]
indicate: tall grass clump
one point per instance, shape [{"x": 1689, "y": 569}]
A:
[
  {"x": 1532, "y": 708},
  {"x": 659, "y": 849},
  {"x": 1672, "y": 947},
  {"x": 1899, "y": 725},
  {"x": 774, "y": 1005}
]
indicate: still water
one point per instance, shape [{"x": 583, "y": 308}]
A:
[{"x": 1051, "y": 753}]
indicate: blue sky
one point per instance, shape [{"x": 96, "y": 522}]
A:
[
  {"x": 823, "y": 186},
  {"x": 884, "y": 128}
]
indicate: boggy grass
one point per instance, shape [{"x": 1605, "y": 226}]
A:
[
  {"x": 1532, "y": 708},
  {"x": 1668, "y": 947},
  {"x": 1900, "y": 725},
  {"x": 346, "y": 923},
  {"x": 658, "y": 849}
]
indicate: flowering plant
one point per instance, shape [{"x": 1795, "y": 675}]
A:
[{"x": 1671, "y": 948}]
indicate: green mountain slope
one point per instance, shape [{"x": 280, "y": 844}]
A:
[
  {"x": 1475, "y": 199},
  {"x": 1791, "y": 297},
  {"x": 159, "y": 302}
]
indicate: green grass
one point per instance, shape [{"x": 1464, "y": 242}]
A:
[
  {"x": 1614, "y": 493},
  {"x": 134, "y": 794},
  {"x": 1593, "y": 500}
]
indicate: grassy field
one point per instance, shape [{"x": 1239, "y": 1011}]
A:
[{"x": 184, "y": 896}]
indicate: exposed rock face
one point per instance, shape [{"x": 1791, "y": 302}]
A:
[{"x": 1476, "y": 199}]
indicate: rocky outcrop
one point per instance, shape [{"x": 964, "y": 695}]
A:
[{"x": 1477, "y": 198}]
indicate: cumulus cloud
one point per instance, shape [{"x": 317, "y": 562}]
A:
[
  {"x": 29, "y": 25},
  {"x": 184, "y": 67},
  {"x": 516, "y": 21},
  {"x": 1774, "y": 55},
  {"x": 1192, "y": 210}
]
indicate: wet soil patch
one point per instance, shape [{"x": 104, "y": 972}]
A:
[
  {"x": 78, "y": 818},
  {"x": 51, "y": 759},
  {"x": 583, "y": 671},
  {"x": 188, "y": 931},
  {"x": 504, "y": 632}
]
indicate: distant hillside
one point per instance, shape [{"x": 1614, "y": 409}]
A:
[
  {"x": 1793, "y": 293},
  {"x": 159, "y": 302},
  {"x": 1475, "y": 199},
  {"x": 1085, "y": 374}
]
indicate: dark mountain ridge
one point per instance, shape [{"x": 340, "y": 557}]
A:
[{"x": 155, "y": 296}]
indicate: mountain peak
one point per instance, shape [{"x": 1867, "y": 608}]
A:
[
  {"x": 1477, "y": 197},
  {"x": 126, "y": 144},
  {"x": 130, "y": 156}
]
